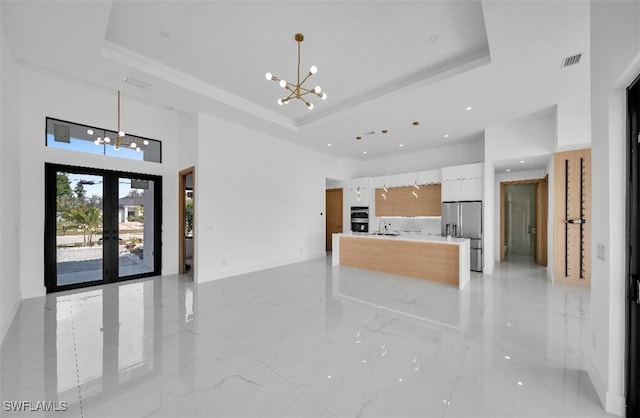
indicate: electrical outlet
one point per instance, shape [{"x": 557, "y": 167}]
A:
[{"x": 600, "y": 251}]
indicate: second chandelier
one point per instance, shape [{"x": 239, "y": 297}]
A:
[{"x": 296, "y": 91}]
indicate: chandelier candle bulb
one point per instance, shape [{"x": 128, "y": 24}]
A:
[
  {"x": 107, "y": 139},
  {"x": 268, "y": 76}
]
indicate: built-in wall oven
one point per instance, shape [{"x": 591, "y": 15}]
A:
[{"x": 359, "y": 218}]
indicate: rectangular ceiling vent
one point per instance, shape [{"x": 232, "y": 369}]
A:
[{"x": 571, "y": 60}]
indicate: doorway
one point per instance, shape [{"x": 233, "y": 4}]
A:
[
  {"x": 186, "y": 214},
  {"x": 633, "y": 255},
  {"x": 101, "y": 226},
  {"x": 334, "y": 215},
  {"x": 520, "y": 221},
  {"x": 523, "y": 220}
]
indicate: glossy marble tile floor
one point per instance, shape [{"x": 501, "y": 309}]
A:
[{"x": 306, "y": 340}]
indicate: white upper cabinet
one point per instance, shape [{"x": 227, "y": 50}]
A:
[
  {"x": 429, "y": 177},
  {"x": 462, "y": 182},
  {"x": 359, "y": 192},
  {"x": 403, "y": 179}
]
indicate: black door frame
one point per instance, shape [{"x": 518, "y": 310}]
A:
[
  {"x": 110, "y": 225},
  {"x": 632, "y": 240}
]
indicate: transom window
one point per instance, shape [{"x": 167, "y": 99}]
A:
[{"x": 92, "y": 140}]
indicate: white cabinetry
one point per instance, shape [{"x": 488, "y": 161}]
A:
[
  {"x": 359, "y": 192},
  {"x": 462, "y": 182}
]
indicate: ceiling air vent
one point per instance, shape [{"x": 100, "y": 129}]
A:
[{"x": 571, "y": 60}]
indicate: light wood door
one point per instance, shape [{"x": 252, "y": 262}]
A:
[
  {"x": 542, "y": 207},
  {"x": 542, "y": 203},
  {"x": 334, "y": 215}
]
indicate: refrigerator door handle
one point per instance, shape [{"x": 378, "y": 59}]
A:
[{"x": 461, "y": 234}]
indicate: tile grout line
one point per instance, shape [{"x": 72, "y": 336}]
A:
[
  {"x": 475, "y": 330},
  {"x": 264, "y": 363},
  {"x": 75, "y": 354}
]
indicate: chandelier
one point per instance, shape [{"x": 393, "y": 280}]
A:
[
  {"x": 120, "y": 140},
  {"x": 296, "y": 91}
]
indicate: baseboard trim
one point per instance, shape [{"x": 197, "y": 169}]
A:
[
  {"x": 251, "y": 269},
  {"x": 611, "y": 402},
  {"x": 597, "y": 382},
  {"x": 34, "y": 293},
  {"x": 4, "y": 327},
  {"x": 615, "y": 404}
]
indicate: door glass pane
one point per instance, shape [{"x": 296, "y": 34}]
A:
[
  {"x": 79, "y": 210},
  {"x": 135, "y": 226}
]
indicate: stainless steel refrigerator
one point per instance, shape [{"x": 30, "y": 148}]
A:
[{"x": 464, "y": 220}]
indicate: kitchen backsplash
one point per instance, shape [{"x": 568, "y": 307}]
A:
[{"x": 429, "y": 225}]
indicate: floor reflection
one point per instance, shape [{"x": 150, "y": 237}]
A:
[{"x": 307, "y": 339}]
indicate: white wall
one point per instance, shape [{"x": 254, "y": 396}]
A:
[
  {"x": 615, "y": 49},
  {"x": 520, "y": 139},
  {"x": 574, "y": 124},
  {"x": 261, "y": 200},
  {"x": 9, "y": 189},
  {"x": 472, "y": 152},
  {"x": 44, "y": 94},
  {"x": 510, "y": 176}
]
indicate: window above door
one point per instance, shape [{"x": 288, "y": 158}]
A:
[{"x": 92, "y": 140}]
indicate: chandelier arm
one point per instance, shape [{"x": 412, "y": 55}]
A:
[
  {"x": 306, "y": 78},
  {"x": 289, "y": 97},
  {"x": 305, "y": 93}
]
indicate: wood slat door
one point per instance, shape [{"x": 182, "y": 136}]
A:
[
  {"x": 334, "y": 215},
  {"x": 572, "y": 198}
]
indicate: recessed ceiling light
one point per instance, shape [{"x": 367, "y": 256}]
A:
[
  {"x": 433, "y": 38},
  {"x": 416, "y": 123},
  {"x": 164, "y": 34},
  {"x": 364, "y": 152},
  {"x": 520, "y": 383},
  {"x": 446, "y": 135},
  {"x": 468, "y": 108},
  {"x": 521, "y": 161},
  {"x": 507, "y": 170},
  {"x": 328, "y": 145},
  {"x": 401, "y": 145},
  {"x": 90, "y": 131},
  {"x": 384, "y": 131},
  {"x": 358, "y": 138}
]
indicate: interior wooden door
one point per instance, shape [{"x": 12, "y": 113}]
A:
[
  {"x": 334, "y": 215},
  {"x": 542, "y": 206}
]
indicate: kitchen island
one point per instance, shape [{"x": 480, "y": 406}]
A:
[{"x": 430, "y": 257}]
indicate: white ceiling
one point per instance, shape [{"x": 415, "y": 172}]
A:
[{"x": 383, "y": 64}]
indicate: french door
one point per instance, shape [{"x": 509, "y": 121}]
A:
[
  {"x": 101, "y": 226},
  {"x": 633, "y": 251}
]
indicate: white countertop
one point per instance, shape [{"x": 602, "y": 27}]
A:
[{"x": 408, "y": 236}]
